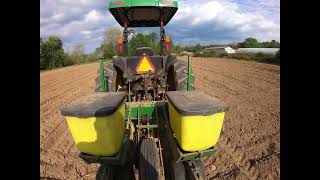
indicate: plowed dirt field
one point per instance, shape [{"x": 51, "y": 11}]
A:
[{"x": 249, "y": 147}]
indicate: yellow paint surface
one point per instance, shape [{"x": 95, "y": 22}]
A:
[
  {"x": 196, "y": 132},
  {"x": 144, "y": 66},
  {"x": 100, "y": 136}
]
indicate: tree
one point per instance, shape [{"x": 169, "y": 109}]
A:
[
  {"x": 56, "y": 51},
  {"x": 42, "y": 55},
  {"x": 154, "y": 40},
  {"x": 234, "y": 45},
  {"x": 140, "y": 41},
  {"x": 109, "y": 44},
  {"x": 274, "y": 44},
  {"x": 253, "y": 43},
  {"x": 51, "y": 52},
  {"x": 92, "y": 57},
  {"x": 250, "y": 43},
  {"x": 197, "y": 48},
  {"x": 177, "y": 49},
  {"x": 78, "y": 53}
]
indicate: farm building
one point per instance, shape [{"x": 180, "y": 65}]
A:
[
  {"x": 186, "y": 53},
  {"x": 227, "y": 50},
  {"x": 257, "y": 50}
]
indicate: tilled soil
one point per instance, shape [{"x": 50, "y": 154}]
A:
[
  {"x": 58, "y": 155},
  {"x": 249, "y": 147}
]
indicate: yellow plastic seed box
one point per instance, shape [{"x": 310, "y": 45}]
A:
[
  {"x": 196, "y": 119},
  {"x": 97, "y": 123}
]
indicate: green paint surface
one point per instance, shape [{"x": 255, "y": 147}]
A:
[{"x": 132, "y": 3}]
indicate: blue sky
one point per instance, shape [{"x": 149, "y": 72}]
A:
[{"x": 201, "y": 21}]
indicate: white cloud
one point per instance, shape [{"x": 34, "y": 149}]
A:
[
  {"x": 85, "y": 32},
  {"x": 226, "y": 16},
  {"x": 203, "y": 21},
  {"x": 270, "y": 3},
  {"x": 93, "y": 16},
  {"x": 58, "y": 17},
  {"x": 75, "y": 21}
]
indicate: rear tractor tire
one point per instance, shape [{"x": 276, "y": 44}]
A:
[
  {"x": 104, "y": 173},
  {"x": 110, "y": 75},
  {"x": 149, "y": 163},
  {"x": 115, "y": 172},
  {"x": 179, "y": 171},
  {"x": 178, "y": 77}
]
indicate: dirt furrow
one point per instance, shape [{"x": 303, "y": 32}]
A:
[
  {"x": 246, "y": 78},
  {"x": 65, "y": 80},
  {"x": 62, "y": 78},
  {"x": 57, "y": 91}
]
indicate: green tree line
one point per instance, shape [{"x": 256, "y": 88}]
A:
[
  {"x": 108, "y": 47},
  {"x": 254, "y": 43},
  {"x": 52, "y": 54}
]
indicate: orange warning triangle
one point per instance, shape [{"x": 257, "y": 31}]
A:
[{"x": 144, "y": 65}]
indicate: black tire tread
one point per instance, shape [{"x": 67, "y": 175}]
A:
[
  {"x": 149, "y": 166},
  {"x": 104, "y": 173},
  {"x": 180, "y": 69},
  {"x": 115, "y": 173},
  {"x": 179, "y": 171}
]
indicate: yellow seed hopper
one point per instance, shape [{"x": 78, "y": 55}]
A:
[
  {"x": 97, "y": 123},
  {"x": 196, "y": 119}
]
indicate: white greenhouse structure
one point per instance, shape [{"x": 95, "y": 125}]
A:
[
  {"x": 227, "y": 50},
  {"x": 257, "y": 50}
]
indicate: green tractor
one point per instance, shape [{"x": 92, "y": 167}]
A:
[
  {"x": 145, "y": 121},
  {"x": 171, "y": 73}
]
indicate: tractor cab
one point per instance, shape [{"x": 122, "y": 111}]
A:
[
  {"x": 145, "y": 71},
  {"x": 143, "y": 13}
]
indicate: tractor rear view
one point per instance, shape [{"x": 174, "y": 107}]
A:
[{"x": 145, "y": 120}]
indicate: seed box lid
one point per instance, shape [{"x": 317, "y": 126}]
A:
[
  {"x": 195, "y": 103},
  {"x": 95, "y": 105}
]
